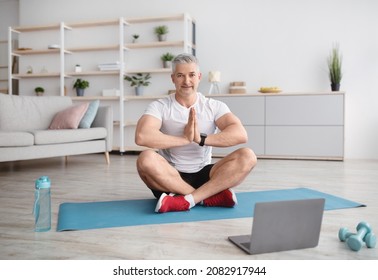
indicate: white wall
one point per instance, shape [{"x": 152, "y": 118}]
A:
[
  {"x": 265, "y": 42},
  {"x": 8, "y": 16}
]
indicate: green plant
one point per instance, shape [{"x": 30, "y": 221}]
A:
[
  {"x": 39, "y": 89},
  {"x": 167, "y": 57},
  {"x": 79, "y": 83},
  {"x": 335, "y": 65},
  {"x": 161, "y": 30},
  {"x": 139, "y": 79},
  {"x": 135, "y": 38}
]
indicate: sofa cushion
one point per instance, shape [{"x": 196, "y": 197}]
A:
[
  {"x": 16, "y": 139},
  {"x": 70, "y": 117},
  {"x": 90, "y": 114},
  {"x": 27, "y": 113},
  {"x": 43, "y": 137}
]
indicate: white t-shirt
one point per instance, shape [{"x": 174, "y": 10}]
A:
[{"x": 192, "y": 157}]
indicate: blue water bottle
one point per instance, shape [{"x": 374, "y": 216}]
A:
[{"x": 42, "y": 204}]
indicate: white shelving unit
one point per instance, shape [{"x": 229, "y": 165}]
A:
[
  {"x": 22, "y": 52},
  {"x": 76, "y": 44},
  {"x": 3, "y": 67}
]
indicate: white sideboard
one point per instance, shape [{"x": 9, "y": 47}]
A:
[{"x": 290, "y": 125}]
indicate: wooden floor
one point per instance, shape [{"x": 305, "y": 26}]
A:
[{"x": 88, "y": 178}]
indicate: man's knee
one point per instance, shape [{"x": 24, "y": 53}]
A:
[
  {"x": 247, "y": 158},
  {"x": 146, "y": 160}
]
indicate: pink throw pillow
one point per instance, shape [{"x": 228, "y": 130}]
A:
[{"x": 70, "y": 117}]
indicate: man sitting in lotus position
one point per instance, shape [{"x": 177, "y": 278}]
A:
[{"x": 184, "y": 127}]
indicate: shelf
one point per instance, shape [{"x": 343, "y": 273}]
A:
[
  {"x": 131, "y": 123},
  {"x": 152, "y": 71},
  {"x": 67, "y": 75},
  {"x": 131, "y": 148},
  {"x": 73, "y": 25},
  {"x": 39, "y": 75},
  {"x": 99, "y": 48},
  {"x": 3, "y": 80},
  {"x": 154, "y": 19},
  {"x": 127, "y": 123},
  {"x": 36, "y": 28},
  {"x": 3, "y": 66},
  {"x": 90, "y": 98},
  {"x": 97, "y": 23},
  {"x": 143, "y": 97},
  {"x": 31, "y": 52},
  {"x": 155, "y": 44},
  {"x": 92, "y": 73}
]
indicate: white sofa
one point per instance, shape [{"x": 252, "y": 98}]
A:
[{"x": 25, "y": 133}]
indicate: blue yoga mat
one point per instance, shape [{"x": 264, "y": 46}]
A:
[{"x": 105, "y": 214}]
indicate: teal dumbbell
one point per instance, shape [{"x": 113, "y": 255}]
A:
[
  {"x": 364, "y": 234},
  {"x": 344, "y": 234}
]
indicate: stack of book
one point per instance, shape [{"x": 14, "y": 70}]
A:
[
  {"x": 237, "y": 87},
  {"x": 113, "y": 66}
]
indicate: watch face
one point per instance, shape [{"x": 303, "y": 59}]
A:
[{"x": 203, "y": 137}]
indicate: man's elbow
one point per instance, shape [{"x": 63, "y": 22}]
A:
[
  {"x": 139, "y": 139},
  {"x": 243, "y": 138}
]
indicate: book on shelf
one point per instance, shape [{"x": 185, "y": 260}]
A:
[{"x": 109, "y": 66}]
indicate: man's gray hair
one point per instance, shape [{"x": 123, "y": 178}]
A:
[{"x": 184, "y": 58}]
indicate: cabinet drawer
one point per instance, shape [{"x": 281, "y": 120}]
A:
[
  {"x": 305, "y": 110},
  {"x": 302, "y": 141},
  {"x": 250, "y": 109},
  {"x": 255, "y": 142}
]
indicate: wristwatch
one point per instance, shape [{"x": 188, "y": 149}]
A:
[{"x": 203, "y": 138}]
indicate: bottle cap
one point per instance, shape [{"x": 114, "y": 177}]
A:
[{"x": 43, "y": 182}]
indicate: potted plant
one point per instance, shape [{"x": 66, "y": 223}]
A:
[
  {"x": 80, "y": 86},
  {"x": 334, "y": 68},
  {"x": 161, "y": 31},
  {"x": 167, "y": 59},
  {"x": 77, "y": 68},
  {"x": 39, "y": 91},
  {"x": 135, "y": 38},
  {"x": 139, "y": 81}
]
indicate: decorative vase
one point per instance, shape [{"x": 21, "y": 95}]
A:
[
  {"x": 167, "y": 64},
  {"x": 139, "y": 91},
  {"x": 335, "y": 87},
  {"x": 39, "y": 93},
  {"x": 77, "y": 69},
  {"x": 79, "y": 91},
  {"x": 162, "y": 37}
]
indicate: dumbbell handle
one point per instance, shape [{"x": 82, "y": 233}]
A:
[
  {"x": 355, "y": 241},
  {"x": 361, "y": 233}
]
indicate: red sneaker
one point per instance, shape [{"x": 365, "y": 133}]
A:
[
  {"x": 226, "y": 198},
  {"x": 169, "y": 203}
]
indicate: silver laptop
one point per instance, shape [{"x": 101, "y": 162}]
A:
[{"x": 283, "y": 225}]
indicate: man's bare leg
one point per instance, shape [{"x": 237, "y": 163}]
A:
[
  {"x": 159, "y": 175},
  {"x": 229, "y": 172},
  {"x": 226, "y": 173}
]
